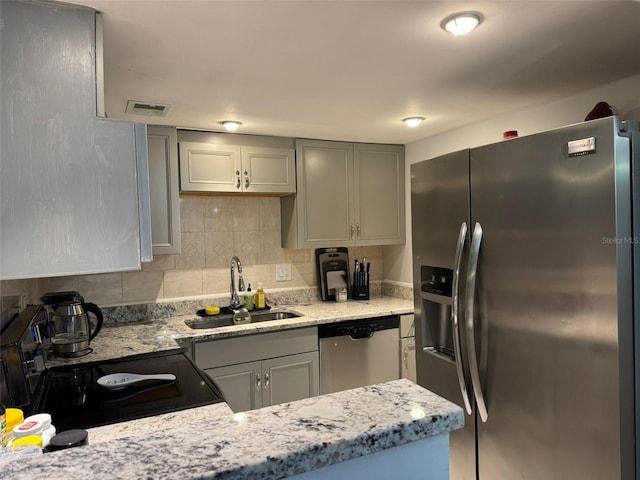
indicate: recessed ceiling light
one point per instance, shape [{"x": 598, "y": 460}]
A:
[
  {"x": 461, "y": 23},
  {"x": 413, "y": 121},
  {"x": 230, "y": 125}
]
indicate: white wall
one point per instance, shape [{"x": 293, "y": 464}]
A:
[{"x": 623, "y": 96}]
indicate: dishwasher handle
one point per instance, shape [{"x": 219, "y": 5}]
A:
[{"x": 361, "y": 335}]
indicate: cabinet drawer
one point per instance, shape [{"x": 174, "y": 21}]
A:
[{"x": 218, "y": 353}]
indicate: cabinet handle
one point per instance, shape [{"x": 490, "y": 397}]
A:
[
  {"x": 266, "y": 381},
  {"x": 258, "y": 382},
  {"x": 238, "y": 181},
  {"x": 246, "y": 182},
  {"x": 353, "y": 231},
  {"x": 358, "y": 230}
]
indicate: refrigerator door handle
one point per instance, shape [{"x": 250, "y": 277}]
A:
[
  {"x": 454, "y": 317},
  {"x": 474, "y": 253}
]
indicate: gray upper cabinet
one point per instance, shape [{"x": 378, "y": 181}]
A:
[
  {"x": 164, "y": 189},
  {"x": 207, "y": 167},
  {"x": 379, "y": 194},
  {"x": 348, "y": 195},
  {"x": 73, "y": 190}
]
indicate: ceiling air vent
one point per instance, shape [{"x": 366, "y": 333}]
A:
[{"x": 150, "y": 109}]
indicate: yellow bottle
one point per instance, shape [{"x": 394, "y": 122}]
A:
[{"x": 260, "y": 299}]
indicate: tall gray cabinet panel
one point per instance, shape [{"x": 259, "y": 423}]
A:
[
  {"x": 69, "y": 182},
  {"x": 325, "y": 202},
  {"x": 379, "y": 198},
  {"x": 165, "y": 189}
]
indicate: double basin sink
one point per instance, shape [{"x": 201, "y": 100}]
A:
[{"x": 225, "y": 319}]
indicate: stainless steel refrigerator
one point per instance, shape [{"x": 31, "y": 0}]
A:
[{"x": 523, "y": 265}]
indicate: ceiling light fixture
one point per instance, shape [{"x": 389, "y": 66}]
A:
[
  {"x": 461, "y": 23},
  {"x": 413, "y": 121},
  {"x": 230, "y": 125}
]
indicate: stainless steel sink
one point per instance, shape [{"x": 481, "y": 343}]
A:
[
  {"x": 266, "y": 316},
  {"x": 226, "y": 319}
]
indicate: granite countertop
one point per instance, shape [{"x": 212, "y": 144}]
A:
[
  {"x": 126, "y": 339},
  {"x": 269, "y": 443}
]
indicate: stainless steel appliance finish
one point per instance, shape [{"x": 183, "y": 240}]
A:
[
  {"x": 524, "y": 258},
  {"x": 358, "y": 353},
  {"x": 235, "y": 300},
  {"x": 226, "y": 319},
  {"x": 22, "y": 356}
]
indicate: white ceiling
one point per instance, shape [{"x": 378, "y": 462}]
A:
[{"x": 350, "y": 70}]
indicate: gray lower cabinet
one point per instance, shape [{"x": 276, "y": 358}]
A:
[
  {"x": 251, "y": 385},
  {"x": 255, "y": 371},
  {"x": 164, "y": 187},
  {"x": 207, "y": 167}
]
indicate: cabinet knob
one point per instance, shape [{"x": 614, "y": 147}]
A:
[
  {"x": 258, "y": 381},
  {"x": 238, "y": 181},
  {"x": 246, "y": 182},
  {"x": 266, "y": 381}
]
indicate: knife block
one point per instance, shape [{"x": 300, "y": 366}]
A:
[{"x": 361, "y": 292}]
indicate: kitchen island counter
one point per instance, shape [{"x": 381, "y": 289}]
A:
[{"x": 397, "y": 425}]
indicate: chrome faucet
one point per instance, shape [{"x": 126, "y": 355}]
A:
[{"x": 235, "y": 300}]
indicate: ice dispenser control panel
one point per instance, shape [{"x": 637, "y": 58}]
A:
[{"x": 436, "y": 280}]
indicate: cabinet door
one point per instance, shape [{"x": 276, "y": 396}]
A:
[
  {"x": 290, "y": 378},
  {"x": 408, "y": 360},
  {"x": 268, "y": 170},
  {"x": 69, "y": 194},
  {"x": 241, "y": 385},
  {"x": 164, "y": 188},
  {"x": 325, "y": 204},
  {"x": 210, "y": 168},
  {"x": 380, "y": 198}
]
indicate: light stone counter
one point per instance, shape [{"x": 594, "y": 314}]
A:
[
  {"x": 401, "y": 428},
  {"x": 125, "y": 339}
]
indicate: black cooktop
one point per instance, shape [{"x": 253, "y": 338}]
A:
[{"x": 72, "y": 396}]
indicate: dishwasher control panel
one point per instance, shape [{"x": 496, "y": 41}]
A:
[{"x": 358, "y": 328}]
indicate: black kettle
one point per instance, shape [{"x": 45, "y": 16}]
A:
[{"x": 69, "y": 326}]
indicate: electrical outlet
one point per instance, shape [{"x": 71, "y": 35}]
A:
[{"x": 283, "y": 272}]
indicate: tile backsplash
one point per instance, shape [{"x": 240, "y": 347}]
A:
[{"x": 214, "y": 228}]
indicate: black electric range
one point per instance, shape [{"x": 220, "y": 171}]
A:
[{"x": 71, "y": 395}]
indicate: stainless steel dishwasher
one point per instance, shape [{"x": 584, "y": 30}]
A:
[{"x": 358, "y": 353}]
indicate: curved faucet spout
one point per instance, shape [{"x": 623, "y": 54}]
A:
[{"x": 235, "y": 300}]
